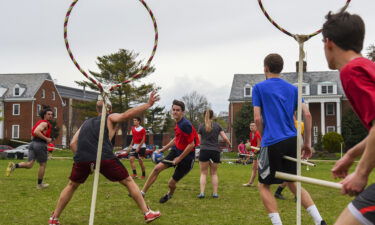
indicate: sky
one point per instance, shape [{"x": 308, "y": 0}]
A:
[{"x": 202, "y": 43}]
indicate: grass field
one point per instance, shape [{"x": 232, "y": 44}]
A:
[{"x": 22, "y": 203}]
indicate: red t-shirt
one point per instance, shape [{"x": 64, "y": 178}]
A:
[
  {"x": 46, "y": 133},
  {"x": 358, "y": 80},
  {"x": 253, "y": 137},
  {"x": 185, "y": 133},
  {"x": 138, "y": 134}
]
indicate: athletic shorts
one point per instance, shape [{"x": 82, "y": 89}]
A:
[
  {"x": 182, "y": 168},
  {"x": 206, "y": 155},
  {"x": 141, "y": 153},
  {"x": 38, "y": 151},
  {"x": 363, "y": 206},
  {"x": 271, "y": 160},
  {"x": 112, "y": 169}
]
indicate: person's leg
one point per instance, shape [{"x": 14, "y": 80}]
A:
[
  {"x": 153, "y": 176},
  {"x": 132, "y": 165},
  {"x": 204, "y": 170},
  {"x": 135, "y": 193},
  {"x": 306, "y": 202},
  {"x": 65, "y": 196},
  {"x": 269, "y": 203},
  {"x": 280, "y": 188},
  {"x": 346, "y": 217},
  {"x": 41, "y": 171},
  {"x": 25, "y": 165},
  {"x": 214, "y": 179},
  {"x": 141, "y": 163},
  {"x": 254, "y": 172},
  {"x": 172, "y": 185}
]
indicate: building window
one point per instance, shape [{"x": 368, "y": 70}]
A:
[
  {"x": 315, "y": 131},
  {"x": 16, "y": 109},
  {"x": 331, "y": 129},
  {"x": 38, "y": 108},
  {"x": 43, "y": 93},
  {"x": 330, "y": 109},
  {"x": 15, "y": 131},
  {"x": 53, "y": 95},
  {"x": 305, "y": 88},
  {"x": 325, "y": 88},
  {"x": 55, "y": 112},
  {"x": 16, "y": 91},
  {"x": 247, "y": 90}
]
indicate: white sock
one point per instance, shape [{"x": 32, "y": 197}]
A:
[
  {"x": 275, "y": 218},
  {"x": 314, "y": 213}
]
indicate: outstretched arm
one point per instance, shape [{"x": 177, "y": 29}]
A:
[{"x": 121, "y": 117}]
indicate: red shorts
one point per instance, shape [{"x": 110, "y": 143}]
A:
[{"x": 112, "y": 169}]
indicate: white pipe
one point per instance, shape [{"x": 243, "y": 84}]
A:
[{"x": 309, "y": 180}]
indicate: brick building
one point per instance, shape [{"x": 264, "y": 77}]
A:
[
  {"x": 322, "y": 91},
  {"x": 22, "y": 96},
  {"x": 72, "y": 119}
]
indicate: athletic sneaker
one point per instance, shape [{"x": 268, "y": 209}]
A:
[
  {"x": 53, "y": 220},
  {"x": 248, "y": 185},
  {"x": 323, "y": 222},
  {"x": 143, "y": 177},
  {"x": 134, "y": 176},
  {"x": 215, "y": 195},
  {"x": 42, "y": 186},
  {"x": 151, "y": 216},
  {"x": 279, "y": 196},
  {"x": 11, "y": 167},
  {"x": 201, "y": 195},
  {"x": 165, "y": 198}
]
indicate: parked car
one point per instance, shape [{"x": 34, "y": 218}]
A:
[
  {"x": 122, "y": 154},
  {"x": 5, "y": 147},
  {"x": 20, "y": 149}
]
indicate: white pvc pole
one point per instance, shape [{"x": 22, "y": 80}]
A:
[
  {"x": 309, "y": 180},
  {"x": 299, "y": 117},
  {"x": 97, "y": 167},
  {"x": 307, "y": 163}
]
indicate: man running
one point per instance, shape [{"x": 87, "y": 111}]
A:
[
  {"x": 182, "y": 153},
  {"x": 41, "y": 133}
]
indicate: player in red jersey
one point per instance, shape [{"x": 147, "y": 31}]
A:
[
  {"x": 41, "y": 133},
  {"x": 182, "y": 152},
  {"x": 138, "y": 147},
  {"x": 343, "y": 35},
  {"x": 255, "y": 139}
]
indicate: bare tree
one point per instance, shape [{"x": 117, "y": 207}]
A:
[
  {"x": 371, "y": 52},
  {"x": 195, "y": 105}
]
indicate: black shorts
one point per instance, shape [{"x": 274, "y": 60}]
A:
[
  {"x": 141, "y": 153},
  {"x": 112, "y": 169},
  {"x": 363, "y": 206},
  {"x": 184, "y": 166},
  {"x": 271, "y": 160},
  {"x": 206, "y": 155}
]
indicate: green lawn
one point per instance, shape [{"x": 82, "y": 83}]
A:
[{"x": 22, "y": 203}]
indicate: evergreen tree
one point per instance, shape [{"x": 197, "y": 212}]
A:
[
  {"x": 115, "y": 68},
  {"x": 241, "y": 123},
  {"x": 353, "y": 130}
]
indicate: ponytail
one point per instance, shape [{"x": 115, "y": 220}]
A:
[{"x": 208, "y": 114}]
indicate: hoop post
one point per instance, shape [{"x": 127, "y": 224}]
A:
[{"x": 97, "y": 164}]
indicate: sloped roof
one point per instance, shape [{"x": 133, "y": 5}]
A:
[
  {"x": 30, "y": 81},
  {"x": 76, "y": 93},
  {"x": 312, "y": 78}
]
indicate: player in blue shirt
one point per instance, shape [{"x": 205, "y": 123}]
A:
[{"x": 275, "y": 102}]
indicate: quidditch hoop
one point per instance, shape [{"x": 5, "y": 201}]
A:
[
  {"x": 132, "y": 77},
  {"x": 285, "y": 31}
]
